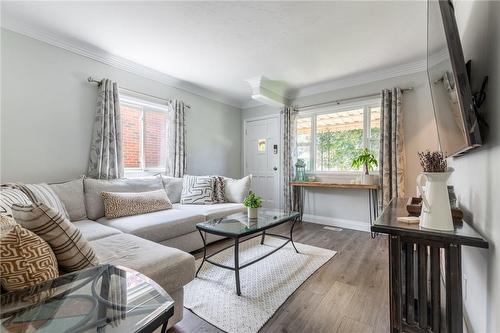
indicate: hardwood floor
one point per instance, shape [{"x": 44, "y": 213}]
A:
[{"x": 348, "y": 294}]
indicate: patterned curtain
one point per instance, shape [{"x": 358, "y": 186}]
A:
[
  {"x": 392, "y": 151},
  {"x": 289, "y": 155},
  {"x": 176, "y": 152},
  {"x": 106, "y": 155}
]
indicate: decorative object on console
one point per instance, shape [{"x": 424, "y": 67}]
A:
[
  {"x": 366, "y": 160},
  {"x": 414, "y": 208},
  {"x": 106, "y": 155},
  {"x": 118, "y": 204},
  {"x": 436, "y": 210},
  {"x": 197, "y": 190},
  {"x": 300, "y": 170},
  {"x": 253, "y": 203},
  {"x": 237, "y": 189},
  {"x": 72, "y": 250},
  {"x": 26, "y": 258}
]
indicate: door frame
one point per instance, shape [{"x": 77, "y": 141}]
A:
[{"x": 280, "y": 147}]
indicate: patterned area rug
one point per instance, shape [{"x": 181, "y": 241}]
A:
[{"x": 265, "y": 285}]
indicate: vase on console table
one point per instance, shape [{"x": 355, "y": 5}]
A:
[{"x": 436, "y": 210}]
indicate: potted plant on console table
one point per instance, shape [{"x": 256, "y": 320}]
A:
[
  {"x": 368, "y": 162},
  {"x": 253, "y": 203}
]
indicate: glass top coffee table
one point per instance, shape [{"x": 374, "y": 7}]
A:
[
  {"x": 239, "y": 225},
  {"x": 100, "y": 299}
]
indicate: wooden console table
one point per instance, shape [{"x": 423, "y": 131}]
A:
[
  {"x": 299, "y": 187},
  {"x": 417, "y": 301}
]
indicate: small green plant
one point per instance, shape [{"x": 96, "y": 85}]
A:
[
  {"x": 252, "y": 201},
  {"x": 366, "y": 160}
]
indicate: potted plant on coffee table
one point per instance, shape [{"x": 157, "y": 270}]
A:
[
  {"x": 366, "y": 160},
  {"x": 253, "y": 202}
]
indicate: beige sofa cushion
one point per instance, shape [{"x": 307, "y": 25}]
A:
[
  {"x": 94, "y": 187},
  {"x": 173, "y": 186},
  {"x": 92, "y": 230},
  {"x": 71, "y": 194},
  {"x": 72, "y": 250},
  {"x": 214, "y": 211},
  {"x": 170, "y": 268},
  {"x": 157, "y": 226}
]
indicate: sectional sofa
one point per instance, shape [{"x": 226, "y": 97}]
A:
[{"x": 155, "y": 244}]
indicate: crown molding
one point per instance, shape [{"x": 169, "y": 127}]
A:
[
  {"x": 359, "y": 79},
  {"x": 104, "y": 57}
]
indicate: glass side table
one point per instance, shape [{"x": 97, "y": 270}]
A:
[{"x": 106, "y": 298}]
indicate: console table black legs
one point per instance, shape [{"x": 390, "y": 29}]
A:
[
  {"x": 416, "y": 287},
  {"x": 425, "y": 273}
]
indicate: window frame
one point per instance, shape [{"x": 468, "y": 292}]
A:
[
  {"x": 135, "y": 102},
  {"x": 313, "y": 113}
]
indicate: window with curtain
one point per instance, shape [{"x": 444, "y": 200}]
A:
[
  {"x": 328, "y": 138},
  {"x": 144, "y": 133}
]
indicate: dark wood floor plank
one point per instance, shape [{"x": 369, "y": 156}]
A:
[{"x": 348, "y": 294}]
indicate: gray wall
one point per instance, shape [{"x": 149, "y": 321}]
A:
[
  {"x": 48, "y": 109},
  {"x": 345, "y": 206},
  {"x": 476, "y": 177}
]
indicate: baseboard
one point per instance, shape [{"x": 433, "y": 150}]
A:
[{"x": 336, "y": 222}]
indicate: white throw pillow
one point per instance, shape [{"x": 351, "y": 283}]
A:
[
  {"x": 237, "y": 189},
  {"x": 173, "y": 186},
  {"x": 197, "y": 190}
]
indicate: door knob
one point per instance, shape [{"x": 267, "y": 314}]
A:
[{"x": 275, "y": 168}]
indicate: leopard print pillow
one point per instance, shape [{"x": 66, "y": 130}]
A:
[{"x": 119, "y": 204}]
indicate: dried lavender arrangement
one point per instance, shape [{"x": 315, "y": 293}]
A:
[{"x": 433, "y": 161}]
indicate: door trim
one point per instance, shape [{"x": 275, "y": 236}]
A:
[{"x": 280, "y": 155}]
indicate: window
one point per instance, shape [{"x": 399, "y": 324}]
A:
[
  {"x": 329, "y": 138},
  {"x": 144, "y": 135}
]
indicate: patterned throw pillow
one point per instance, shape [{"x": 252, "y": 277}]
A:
[
  {"x": 118, "y": 204},
  {"x": 197, "y": 190},
  {"x": 219, "y": 191},
  {"x": 44, "y": 194},
  {"x": 26, "y": 258},
  {"x": 72, "y": 250},
  {"x": 10, "y": 196}
]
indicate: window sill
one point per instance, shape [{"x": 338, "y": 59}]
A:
[{"x": 137, "y": 173}]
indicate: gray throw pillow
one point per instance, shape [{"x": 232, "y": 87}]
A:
[
  {"x": 71, "y": 194},
  {"x": 197, "y": 190},
  {"x": 237, "y": 189},
  {"x": 173, "y": 186}
]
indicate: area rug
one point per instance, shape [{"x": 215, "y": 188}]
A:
[{"x": 265, "y": 285}]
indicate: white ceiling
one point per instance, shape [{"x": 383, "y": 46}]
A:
[{"x": 217, "y": 45}]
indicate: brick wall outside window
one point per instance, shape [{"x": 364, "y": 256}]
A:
[{"x": 155, "y": 127}]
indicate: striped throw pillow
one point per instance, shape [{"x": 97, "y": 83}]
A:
[
  {"x": 26, "y": 258},
  {"x": 72, "y": 250},
  {"x": 44, "y": 194},
  {"x": 10, "y": 196}
]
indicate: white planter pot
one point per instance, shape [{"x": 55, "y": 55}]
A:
[
  {"x": 368, "y": 179},
  {"x": 253, "y": 213}
]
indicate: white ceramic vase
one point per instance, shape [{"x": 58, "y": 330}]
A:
[
  {"x": 436, "y": 210},
  {"x": 368, "y": 179},
  {"x": 253, "y": 213}
]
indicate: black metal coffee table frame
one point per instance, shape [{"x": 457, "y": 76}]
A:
[{"x": 261, "y": 232}]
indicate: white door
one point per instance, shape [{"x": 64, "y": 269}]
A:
[{"x": 262, "y": 158}]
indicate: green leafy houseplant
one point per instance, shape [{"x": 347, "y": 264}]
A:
[
  {"x": 366, "y": 159},
  {"x": 252, "y": 201}
]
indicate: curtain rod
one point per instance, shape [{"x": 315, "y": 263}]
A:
[
  {"x": 338, "y": 101},
  {"x": 92, "y": 80}
]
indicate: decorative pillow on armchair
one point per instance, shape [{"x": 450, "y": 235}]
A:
[{"x": 197, "y": 190}]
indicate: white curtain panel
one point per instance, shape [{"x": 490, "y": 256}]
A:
[
  {"x": 176, "y": 144},
  {"x": 289, "y": 155},
  {"x": 106, "y": 155},
  {"x": 392, "y": 158}
]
